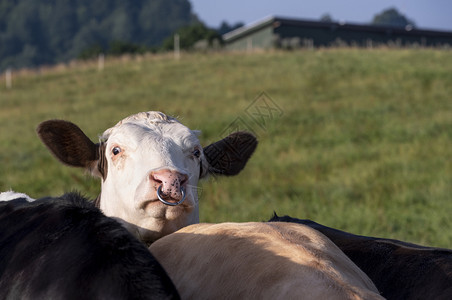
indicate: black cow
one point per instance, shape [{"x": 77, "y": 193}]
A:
[
  {"x": 399, "y": 270},
  {"x": 65, "y": 248}
]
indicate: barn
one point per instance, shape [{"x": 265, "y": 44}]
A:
[{"x": 278, "y": 32}]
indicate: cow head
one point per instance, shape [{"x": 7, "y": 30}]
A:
[{"x": 144, "y": 158}]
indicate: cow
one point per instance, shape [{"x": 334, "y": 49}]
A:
[
  {"x": 259, "y": 261},
  {"x": 149, "y": 164},
  {"x": 399, "y": 270},
  {"x": 66, "y": 248}
]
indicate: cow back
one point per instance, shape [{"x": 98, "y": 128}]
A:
[{"x": 65, "y": 248}]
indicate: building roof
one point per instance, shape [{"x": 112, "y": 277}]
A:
[
  {"x": 249, "y": 28},
  {"x": 278, "y": 21}
]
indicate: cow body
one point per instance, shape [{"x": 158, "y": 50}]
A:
[
  {"x": 259, "y": 261},
  {"x": 65, "y": 248},
  {"x": 143, "y": 158},
  {"x": 399, "y": 270}
]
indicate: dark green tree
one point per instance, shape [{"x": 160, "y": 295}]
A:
[
  {"x": 327, "y": 18},
  {"x": 391, "y": 17},
  {"x": 91, "y": 52},
  {"x": 225, "y": 27},
  {"x": 191, "y": 34},
  {"x": 34, "y": 32},
  {"x": 118, "y": 48}
]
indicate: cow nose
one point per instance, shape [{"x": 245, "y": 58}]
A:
[{"x": 171, "y": 184}]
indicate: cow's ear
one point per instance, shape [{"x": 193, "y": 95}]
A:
[
  {"x": 230, "y": 155},
  {"x": 68, "y": 143}
]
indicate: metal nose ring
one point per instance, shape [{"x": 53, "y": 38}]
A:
[{"x": 159, "y": 190}]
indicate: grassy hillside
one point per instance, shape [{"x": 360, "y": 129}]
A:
[{"x": 360, "y": 140}]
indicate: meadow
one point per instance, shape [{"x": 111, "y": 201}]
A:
[{"x": 355, "y": 139}]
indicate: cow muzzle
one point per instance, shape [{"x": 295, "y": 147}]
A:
[{"x": 170, "y": 186}]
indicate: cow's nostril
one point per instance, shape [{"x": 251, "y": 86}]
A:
[
  {"x": 183, "y": 180},
  {"x": 155, "y": 178},
  {"x": 171, "y": 181}
]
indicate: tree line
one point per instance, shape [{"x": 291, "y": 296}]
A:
[
  {"x": 34, "y": 32},
  {"x": 38, "y": 32}
]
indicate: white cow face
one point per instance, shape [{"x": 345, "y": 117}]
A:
[
  {"x": 145, "y": 157},
  {"x": 143, "y": 153}
]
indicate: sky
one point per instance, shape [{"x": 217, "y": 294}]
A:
[{"x": 427, "y": 14}]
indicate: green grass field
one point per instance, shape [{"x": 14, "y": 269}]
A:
[{"x": 362, "y": 141}]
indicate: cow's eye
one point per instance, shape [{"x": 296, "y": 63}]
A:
[
  {"x": 116, "y": 150},
  {"x": 196, "y": 153}
]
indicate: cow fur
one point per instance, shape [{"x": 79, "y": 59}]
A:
[
  {"x": 259, "y": 261},
  {"x": 65, "y": 248},
  {"x": 400, "y": 270}
]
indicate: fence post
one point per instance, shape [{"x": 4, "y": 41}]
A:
[
  {"x": 9, "y": 79},
  {"x": 249, "y": 45},
  {"x": 176, "y": 46},
  {"x": 100, "y": 62}
]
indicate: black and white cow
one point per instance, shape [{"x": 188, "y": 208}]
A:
[
  {"x": 150, "y": 165},
  {"x": 399, "y": 270},
  {"x": 66, "y": 248}
]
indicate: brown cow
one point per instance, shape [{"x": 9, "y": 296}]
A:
[
  {"x": 259, "y": 261},
  {"x": 399, "y": 270}
]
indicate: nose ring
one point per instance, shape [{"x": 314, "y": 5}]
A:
[{"x": 159, "y": 190}]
